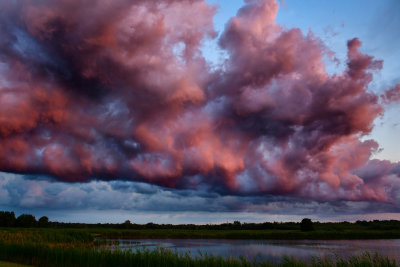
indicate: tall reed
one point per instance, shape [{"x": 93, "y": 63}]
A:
[{"x": 70, "y": 256}]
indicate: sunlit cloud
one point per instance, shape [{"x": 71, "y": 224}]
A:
[{"x": 123, "y": 111}]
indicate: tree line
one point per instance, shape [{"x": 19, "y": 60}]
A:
[{"x": 8, "y": 219}]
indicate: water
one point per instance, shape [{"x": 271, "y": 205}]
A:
[{"x": 272, "y": 250}]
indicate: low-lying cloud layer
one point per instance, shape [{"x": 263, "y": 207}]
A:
[
  {"x": 115, "y": 90},
  {"x": 142, "y": 202}
]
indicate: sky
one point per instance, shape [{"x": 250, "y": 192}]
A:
[{"x": 200, "y": 111}]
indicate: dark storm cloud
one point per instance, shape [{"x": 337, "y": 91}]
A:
[
  {"x": 119, "y": 90},
  {"x": 22, "y": 193}
]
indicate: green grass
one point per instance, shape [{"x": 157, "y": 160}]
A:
[
  {"x": 11, "y": 264},
  {"x": 77, "y": 247},
  {"x": 45, "y": 255},
  {"x": 46, "y": 235},
  {"x": 246, "y": 234},
  {"x": 68, "y": 235}
]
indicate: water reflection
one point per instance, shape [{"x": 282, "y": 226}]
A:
[{"x": 272, "y": 250}]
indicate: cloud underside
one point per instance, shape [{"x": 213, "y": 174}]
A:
[
  {"x": 120, "y": 91},
  {"x": 143, "y": 202}
]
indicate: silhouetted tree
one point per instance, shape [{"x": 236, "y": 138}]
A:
[
  {"x": 127, "y": 224},
  {"x": 26, "y": 220},
  {"x": 237, "y": 224},
  {"x": 306, "y": 225},
  {"x": 7, "y": 219},
  {"x": 43, "y": 221},
  {"x": 151, "y": 225}
]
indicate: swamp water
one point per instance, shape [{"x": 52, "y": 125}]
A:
[{"x": 272, "y": 250}]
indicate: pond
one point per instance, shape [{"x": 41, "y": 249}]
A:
[{"x": 272, "y": 250}]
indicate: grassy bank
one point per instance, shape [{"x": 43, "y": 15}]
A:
[
  {"x": 245, "y": 234},
  {"x": 11, "y": 264},
  {"x": 87, "y": 235},
  {"x": 60, "y": 255},
  {"x": 77, "y": 247},
  {"x": 46, "y": 235}
]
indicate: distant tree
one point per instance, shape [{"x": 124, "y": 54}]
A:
[
  {"x": 363, "y": 223},
  {"x": 151, "y": 225},
  {"x": 7, "y": 219},
  {"x": 26, "y": 220},
  {"x": 127, "y": 224},
  {"x": 43, "y": 221},
  {"x": 306, "y": 225},
  {"x": 237, "y": 225}
]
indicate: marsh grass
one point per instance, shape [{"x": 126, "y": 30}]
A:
[
  {"x": 70, "y": 235},
  {"x": 59, "y": 255},
  {"x": 78, "y": 247},
  {"x": 42, "y": 235},
  {"x": 247, "y": 234},
  {"x": 11, "y": 264}
]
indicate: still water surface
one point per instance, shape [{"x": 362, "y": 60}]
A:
[{"x": 272, "y": 250}]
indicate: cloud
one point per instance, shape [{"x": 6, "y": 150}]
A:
[
  {"x": 120, "y": 91},
  {"x": 141, "y": 201},
  {"x": 392, "y": 95}
]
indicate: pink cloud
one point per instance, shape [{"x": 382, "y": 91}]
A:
[{"x": 115, "y": 89}]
